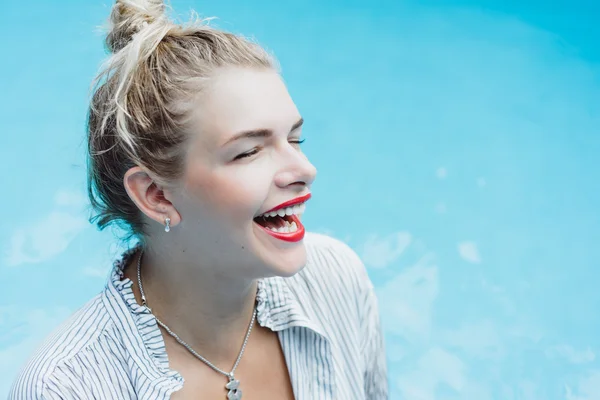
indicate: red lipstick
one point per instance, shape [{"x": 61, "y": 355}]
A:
[
  {"x": 290, "y": 203},
  {"x": 296, "y": 236},
  {"x": 288, "y": 237}
]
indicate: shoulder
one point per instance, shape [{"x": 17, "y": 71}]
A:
[
  {"x": 327, "y": 249},
  {"x": 334, "y": 277},
  {"x": 333, "y": 260},
  {"x": 49, "y": 363},
  {"x": 335, "y": 291}
]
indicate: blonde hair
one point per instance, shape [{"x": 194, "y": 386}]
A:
[{"x": 142, "y": 100}]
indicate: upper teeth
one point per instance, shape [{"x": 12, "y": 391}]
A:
[{"x": 297, "y": 209}]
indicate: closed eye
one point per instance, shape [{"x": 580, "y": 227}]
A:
[
  {"x": 257, "y": 149},
  {"x": 298, "y": 141},
  {"x": 246, "y": 155}
]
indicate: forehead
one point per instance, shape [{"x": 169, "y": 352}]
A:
[{"x": 240, "y": 99}]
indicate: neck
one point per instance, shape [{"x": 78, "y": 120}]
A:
[{"x": 207, "y": 310}]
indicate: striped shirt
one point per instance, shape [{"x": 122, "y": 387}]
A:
[{"x": 326, "y": 318}]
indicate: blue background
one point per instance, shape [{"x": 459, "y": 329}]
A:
[{"x": 458, "y": 149}]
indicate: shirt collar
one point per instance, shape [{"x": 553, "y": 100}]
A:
[{"x": 278, "y": 308}]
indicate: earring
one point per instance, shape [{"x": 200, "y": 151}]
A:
[{"x": 167, "y": 224}]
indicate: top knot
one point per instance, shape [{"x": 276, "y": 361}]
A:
[{"x": 128, "y": 17}]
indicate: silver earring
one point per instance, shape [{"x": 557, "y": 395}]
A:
[{"x": 167, "y": 224}]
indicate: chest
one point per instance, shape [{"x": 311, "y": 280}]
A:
[
  {"x": 263, "y": 374},
  {"x": 292, "y": 364}
]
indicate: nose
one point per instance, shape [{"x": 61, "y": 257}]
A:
[{"x": 296, "y": 169}]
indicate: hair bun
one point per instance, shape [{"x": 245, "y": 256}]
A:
[{"x": 128, "y": 17}]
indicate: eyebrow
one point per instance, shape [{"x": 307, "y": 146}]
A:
[{"x": 260, "y": 133}]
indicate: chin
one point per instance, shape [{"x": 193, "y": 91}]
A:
[
  {"x": 286, "y": 263},
  {"x": 279, "y": 257}
]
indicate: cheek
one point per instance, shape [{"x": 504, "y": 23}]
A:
[{"x": 232, "y": 194}]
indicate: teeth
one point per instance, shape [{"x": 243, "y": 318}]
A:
[
  {"x": 288, "y": 228},
  {"x": 298, "y": 209}
]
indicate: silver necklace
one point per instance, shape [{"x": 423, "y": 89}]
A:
[{"x": 235, "y": 393}]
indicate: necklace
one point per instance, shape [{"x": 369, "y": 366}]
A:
[{"x": 235, "y": 393}]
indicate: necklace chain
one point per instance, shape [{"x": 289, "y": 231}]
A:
[{"x": 184, "y": 344}]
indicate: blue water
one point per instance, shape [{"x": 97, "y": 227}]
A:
[{"x": 458, "y": 150}]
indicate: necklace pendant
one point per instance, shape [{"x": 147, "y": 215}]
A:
[{"x": 233, "y": 386}]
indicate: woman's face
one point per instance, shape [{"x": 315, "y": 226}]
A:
[{"x": 230, "y": 179}]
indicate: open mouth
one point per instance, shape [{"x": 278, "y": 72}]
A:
[{"x": 285, "y": 224}]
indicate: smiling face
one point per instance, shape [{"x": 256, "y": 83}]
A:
[{"x": 243, "y": 159}]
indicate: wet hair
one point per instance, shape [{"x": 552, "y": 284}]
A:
[{"x": 142, "y": 99}]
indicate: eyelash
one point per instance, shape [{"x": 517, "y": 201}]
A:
[{"x": 253, "y": 152}]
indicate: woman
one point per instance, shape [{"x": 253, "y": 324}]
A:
[{"x": 194, "y": 149}]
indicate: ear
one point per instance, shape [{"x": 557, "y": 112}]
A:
[{"x": 150, "y": 198}]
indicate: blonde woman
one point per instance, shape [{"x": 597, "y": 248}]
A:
[{"x": 194, "y": 146}]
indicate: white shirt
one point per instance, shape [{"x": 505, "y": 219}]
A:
[{"x": 326, "y": 317}]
